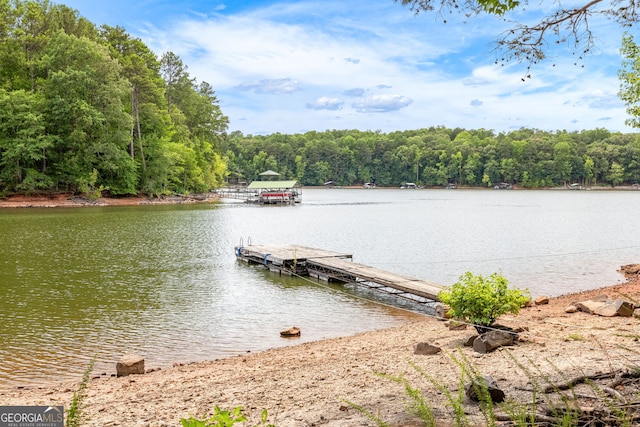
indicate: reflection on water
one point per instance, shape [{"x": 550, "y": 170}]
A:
[{"x": 77, "y": 284}]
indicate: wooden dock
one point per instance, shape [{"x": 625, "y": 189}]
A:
[
  {"x": 335, "y": 266},
  {"x": 289, "y": 260}
]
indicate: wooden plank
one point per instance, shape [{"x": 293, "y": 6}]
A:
[
  {"x": 290, "y": 252},
  {"x": 418, "y": 287}
]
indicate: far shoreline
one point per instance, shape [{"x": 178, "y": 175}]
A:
[{"x": 62, "y": 200}]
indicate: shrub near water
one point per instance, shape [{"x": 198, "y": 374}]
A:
[
  {"x": 225, "y": 418},
  {"x": 481, "y": 300}
]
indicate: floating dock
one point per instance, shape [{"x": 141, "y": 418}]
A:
[{"x": 337, "y": 267}]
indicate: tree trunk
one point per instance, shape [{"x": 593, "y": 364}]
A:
[
  {"x": 137, "y": 111},
  {"x": 131, "y": 153}
]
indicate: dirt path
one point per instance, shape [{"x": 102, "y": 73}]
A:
[{"x": 309, "y": 384}]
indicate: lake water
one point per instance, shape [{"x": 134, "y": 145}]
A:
[{"x": 163, "y": 281}]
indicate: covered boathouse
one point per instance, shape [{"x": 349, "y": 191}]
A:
[
  {"x": 274, "y": 192},
  {"x": 267, "y": 192}
]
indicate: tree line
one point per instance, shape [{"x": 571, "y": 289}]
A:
[
  {"x": 91, "y": 109},
  {"x": 438, "y": 156}
]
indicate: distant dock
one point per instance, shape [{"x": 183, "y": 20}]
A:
[
  {"x": 337, "y": 267},
  {"x": 265, "y": 193}
]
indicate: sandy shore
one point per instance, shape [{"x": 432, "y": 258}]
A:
[{"x": 310, "y": 384}]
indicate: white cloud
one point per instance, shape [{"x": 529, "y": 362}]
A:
[
  {"x": 355, "y": 92},
  {"x": 273, "y": 86},
  {"x": 382, "y": 103},
  {"x": 474, "y": 81},
  {"x": 602, "y": 100},
  {"x": 326, "y": 103}
]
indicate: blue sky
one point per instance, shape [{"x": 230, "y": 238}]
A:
[{"x": 297, "y": 66}]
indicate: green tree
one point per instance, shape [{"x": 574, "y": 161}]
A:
[
  {"x": 318, "y": 173},
  {"x": 562, "y": 158},
  {"x": 301, "y": 167},
  {"x": 24, "y": 142},
  {"x": 491, "y": 174},
  {"x": 197, "y": 118},
  {"x": 185, "y": 173},
  {"x": 616, "y": 174},
  {"x": 588, "y": 170},
  {"x": 456, "y": 163},
  {"x": 84, "y": 90},
  {"x": 486, "y": 180},
  {"x": 631, "y": 156},
  {"x": 509, "y": 170},
  {"x": 472, "y": 169},
  {"x": 630, "y": 79},
  {"x": 174, "y": 73},
  {"x": 146, "y": 101}
]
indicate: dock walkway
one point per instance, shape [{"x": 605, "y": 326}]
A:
[{"x": 336, "y": 266}]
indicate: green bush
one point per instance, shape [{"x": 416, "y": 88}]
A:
[
  {"x": 225, "y": 418},
  {"x": 481, "y": 300}
]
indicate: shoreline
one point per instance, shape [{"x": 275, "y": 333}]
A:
[
  {"x": 66, "y": 200},
  {"x": 61, "y": 200},
  {"x": 308, "y": 384}
]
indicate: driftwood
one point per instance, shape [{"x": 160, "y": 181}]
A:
[
  {"x": 581, "y": 379},
  {"x": 619, "y": 377},
  {"x": 617, "y": 411},
  {"x": 601, "y": 417}
]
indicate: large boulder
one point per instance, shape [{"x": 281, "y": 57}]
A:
[
  {"x": 603, "y": 306},
  {"x": 542, "y": 300},
  {"x": 130, "y": 364},
  {"x": 469, "y": 341},
  {"x": 495, "y": 393},
  {"x": 630, "y": 269},
  {"x": 426, "y": 349},
  {"x": 489, "y": 341},
  {"x": 618, "y": 307},
  {"x": 590, "y": 305},
  {"x": 293, "y": 331}
]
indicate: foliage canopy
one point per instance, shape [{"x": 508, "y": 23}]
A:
[
  {"x": 84, "y": 108},
  {"x": 438, "y": 156}
]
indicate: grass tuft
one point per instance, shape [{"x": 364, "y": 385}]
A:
[{"x": 74, "y": 414}]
